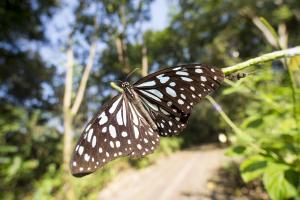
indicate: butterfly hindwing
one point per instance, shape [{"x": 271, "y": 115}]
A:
[{"x": 118, "y": 129}]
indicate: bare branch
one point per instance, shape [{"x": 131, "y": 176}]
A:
[
  {"x": 69, "y": 77},
  {"x": 84, "y": 79},
  {"x": 119, "y": 49}
]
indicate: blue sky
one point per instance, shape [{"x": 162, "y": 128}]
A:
[
  {"x": 57, "y": 31},
  {"x": 159, "y": 15}
]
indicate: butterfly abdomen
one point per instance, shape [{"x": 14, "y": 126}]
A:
[{"x": 138, "y": 103}]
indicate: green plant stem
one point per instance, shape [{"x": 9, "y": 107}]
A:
[
  {"x": 294, "y": 93},
  {"x": 234, "y": 127},
  {"x": 263, "y": 58},
  {"x": 224, "y": 116}
]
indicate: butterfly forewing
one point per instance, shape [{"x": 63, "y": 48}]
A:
[
  {"x": 171, "y": 93},
  {"x": 117, "y": 130}
]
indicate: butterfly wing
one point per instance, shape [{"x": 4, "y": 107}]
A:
[
  {"x": 170, "y": 94},
  {"x": 118, "y": 129}
]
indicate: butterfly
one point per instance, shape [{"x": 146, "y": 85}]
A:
[{"x": 131, "y": 123}]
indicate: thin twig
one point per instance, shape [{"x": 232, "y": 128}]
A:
[
  {"x": 87, "y": 70},
  {"x": 84, "y": 79},
  {"x": 234, "y": 127},
  {"x": 69, "y": 77},
  {"x": 224, "y": 116}
]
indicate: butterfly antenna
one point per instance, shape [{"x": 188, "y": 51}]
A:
[
  {"x": 119, "y": 81},
  {"x": 131, "y": 73}
]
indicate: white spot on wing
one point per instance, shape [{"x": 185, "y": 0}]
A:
[
  {"x": 114, "y": 106},
  {"x": 203, "y": 78},
  {"x": 86, "y": 157},
  {"x": 136, "y": 132},
  {"x": 90, "y": 135},
  {"x": 182, "y": 73},
  {"x": 172, "y": 84},
  {"x": 146, "y": 84},
  {"x": 112, "y": 131},
  {"x": 88, "y": 127},
  {"x": 199, "y": 71},
  {"x": 171, "y": 92},
  {"x": 180, "y": 101},
  {"x": 103, "y": 119},
  {"x": 111, "y": 143},
  {"x": 177, "y": 68},
  {"x": 163, "y": 79},
  {"x": 135, "y": 119},
  {"x": 94, "y": 141},
  {"x": 156, "y": 92},
  {"x": 151, "y": 95},
  {"x": 118, "y": 144},
  {"x": 124, "y": 134},
  {"x": 139, "y": 146},
  {"x": 80, "y": 150},
  {"x": 124, "y": 113},
  {"x": 186, "y": 79},
  {"x": 119, "y": 117}
]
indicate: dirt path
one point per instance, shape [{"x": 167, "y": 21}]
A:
[{"x": 181, "y": 176}]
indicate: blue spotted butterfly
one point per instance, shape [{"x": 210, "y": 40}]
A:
[{"x": 131, "y": 123}]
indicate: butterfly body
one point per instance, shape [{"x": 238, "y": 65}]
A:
[
  {"x": 136, "y": 100},
  {"x": 131, "y": 123}
]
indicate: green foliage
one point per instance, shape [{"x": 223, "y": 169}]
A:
[
  {"x": 22, "y": 139},
  {"x": 281, "y": 181},
  {"x": 218, "y": 33},
  {"x": 272, "y": 153}
]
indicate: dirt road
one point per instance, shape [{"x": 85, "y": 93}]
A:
[{"x": 181, "y": 176}]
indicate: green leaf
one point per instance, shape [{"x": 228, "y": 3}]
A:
[
  {"x": 8, "y": 149},
  {"x": 253, "y": 167},
  {"x": 269, "y": 27},
  {"x": 236, "y": 150},
  {"x": 280, "y": 181}
]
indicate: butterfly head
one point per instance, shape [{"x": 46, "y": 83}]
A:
[{"x": 126, "y": 85}]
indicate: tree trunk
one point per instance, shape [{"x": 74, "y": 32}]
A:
[
  {"x": 120, "y": 43},
  {"x": 68, "y": 118},
  {"x": 122, "y": 54},
  {"x": 145, "y": 66}
]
